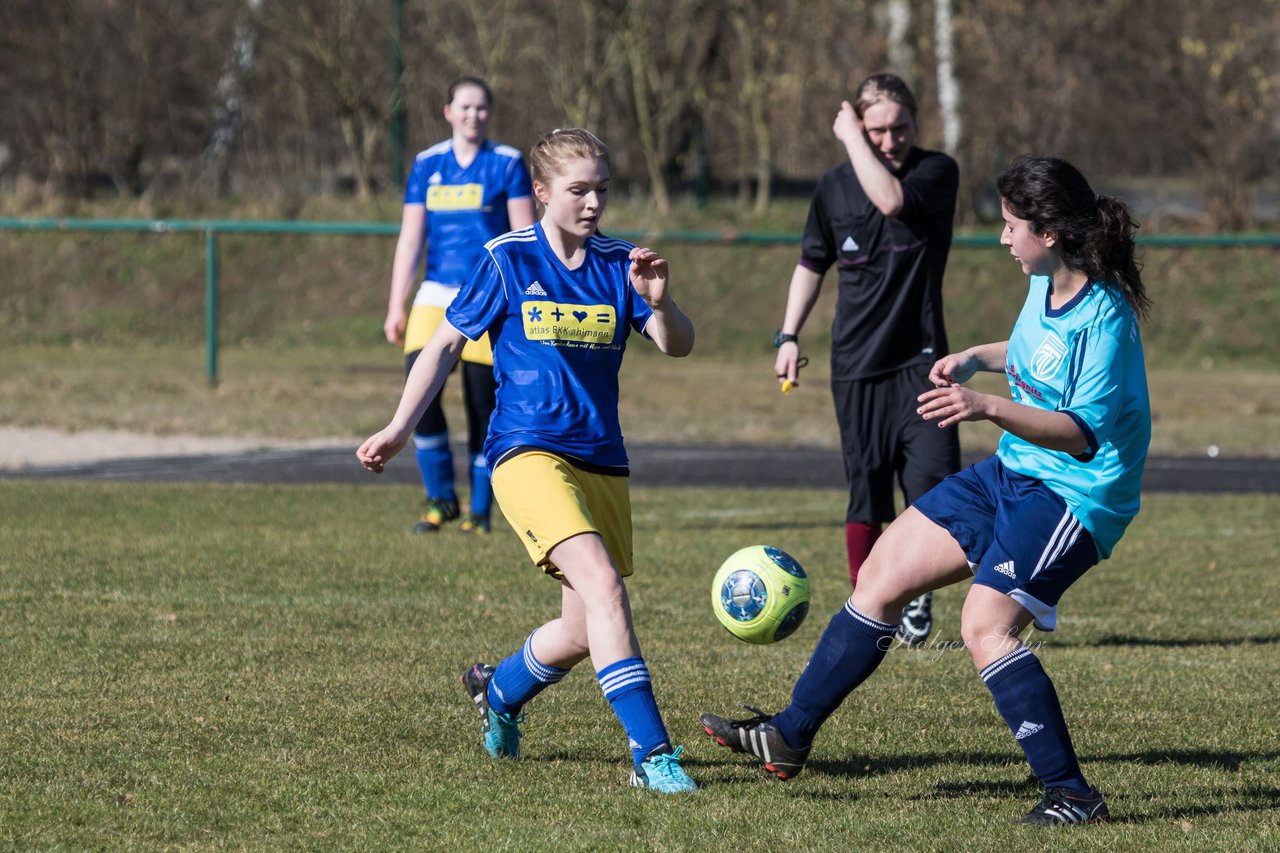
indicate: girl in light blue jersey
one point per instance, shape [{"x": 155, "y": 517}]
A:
[
  {"x": 1026, "y": 523},
  {"x": 460, "y": 193},
  {"x": 559, "y": 300}
]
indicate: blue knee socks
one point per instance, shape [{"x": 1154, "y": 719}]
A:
[
  {"x": 1026, "y": 699},
  {"x": 519, "y": 678},
  {"x": 435, "y": 461},
  {"x": 481, "y": 489},
  {"x": 851, "y": 648},
  {"x": 627, "y": 686}
]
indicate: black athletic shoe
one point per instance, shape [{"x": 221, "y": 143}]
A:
[
  {"x": 757, "y": 736},
  {"x": 1061, "y": 806},
  {"x": 917, "y": 620}
]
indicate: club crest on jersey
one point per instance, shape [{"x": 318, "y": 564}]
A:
[{"x": 1048, "y": 357}]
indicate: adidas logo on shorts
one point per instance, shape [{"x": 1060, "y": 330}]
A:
[
  {"x": 1006, "y": 568},
  {"x": 535, "y": 289}
]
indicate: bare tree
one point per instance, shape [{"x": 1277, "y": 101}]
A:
[
  {"x": 669, "y": 47},
  {"x": 228, "y": 108},
  {"x": 761, "y": 63},
  {"x": 487, "y": 39},
  {"x": 580, "y": 58},
  {"x": 894, "y": 17},
  {"x": 333, "y": 51},
  {"x": 948, "y": 85},
  {"x": 1222, "y": 93},
  {"x": 112, "y": 95},
  {"x": 102, "y": 95}
]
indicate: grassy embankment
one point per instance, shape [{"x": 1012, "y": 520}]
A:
[{"x": 107, "y": 331}]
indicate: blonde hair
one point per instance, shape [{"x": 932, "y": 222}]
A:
[
  {"x": 884, "y": 87},
  {"x": 559, "y": 147}
]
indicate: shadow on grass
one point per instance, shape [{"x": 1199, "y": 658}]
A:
[
  {"x": 1216, "y": 759},
  {"x": 862, "y": 766},
  {"x": 725, "y": 768},
  {"x": 1169, "y": 642},
  {"x": 858, "y": 765},
  {"x": 720, "y": 525},
  {"x": 1187, "y": 642},
  {"x": 1255, "y": 798}
]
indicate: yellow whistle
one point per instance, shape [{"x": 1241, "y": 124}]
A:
[{"x": 787, "y": 385}]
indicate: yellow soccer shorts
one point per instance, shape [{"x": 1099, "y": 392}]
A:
[
  {"x": 546, "y": 501},
  {"x": 423, "y": 322}
]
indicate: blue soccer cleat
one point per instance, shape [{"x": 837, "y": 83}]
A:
[
  {"x": 662, "y": 772},
  {"x": 500, "y": 733}
]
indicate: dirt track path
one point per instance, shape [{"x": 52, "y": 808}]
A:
[{"x": 128, "y": 457}]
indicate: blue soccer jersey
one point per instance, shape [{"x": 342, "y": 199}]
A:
[
  {"x": 558, "y": 338},
  {"x": 465, "y": 207},
  {"x": 1084, "y": 359}
]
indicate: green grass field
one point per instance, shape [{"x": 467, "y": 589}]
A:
[{"x": 195, "y": 667}]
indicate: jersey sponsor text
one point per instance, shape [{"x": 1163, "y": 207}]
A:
[{"x": 553, "y": 321}]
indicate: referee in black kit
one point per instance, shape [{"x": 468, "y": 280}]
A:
[{"x": 884, "y": 218}]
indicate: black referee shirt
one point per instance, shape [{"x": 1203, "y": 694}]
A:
[{"x": 889, "y": 293}]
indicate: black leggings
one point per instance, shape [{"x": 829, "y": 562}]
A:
[{"x": 479, "y": 390}]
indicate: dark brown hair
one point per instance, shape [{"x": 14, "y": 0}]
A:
[
  {"x": 1095, "y": 233},
  {"x": 468, "y": 80}
]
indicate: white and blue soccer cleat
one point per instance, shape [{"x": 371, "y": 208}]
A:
[{"x": 662, "y": 772}]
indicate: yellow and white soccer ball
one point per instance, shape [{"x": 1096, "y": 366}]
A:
[{"x": 760, "y": 594}]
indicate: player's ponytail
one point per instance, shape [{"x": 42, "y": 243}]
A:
[{"x": 1094, "y": 233}]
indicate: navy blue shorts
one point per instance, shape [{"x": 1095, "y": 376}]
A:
[{"x": 1019, "y": 537}]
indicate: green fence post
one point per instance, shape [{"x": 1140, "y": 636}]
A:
[{"x": 211, "y": 306}]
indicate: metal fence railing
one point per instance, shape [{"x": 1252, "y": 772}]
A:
[{"x": 212, "y": 228}]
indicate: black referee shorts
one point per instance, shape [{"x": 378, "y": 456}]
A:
[{"x": 883, "y": 440}]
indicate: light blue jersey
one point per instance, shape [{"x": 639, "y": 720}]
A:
[
  {"x": 465, "y": 207},
  {"x": 558, "y": 338},
  {"x": 1084, "y": 359}
]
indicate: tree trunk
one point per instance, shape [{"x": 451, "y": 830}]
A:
[
  {"x": 228, "y": 112},
  {"x": 896, "y": 20},
  {"x": 948, "y": 85}
]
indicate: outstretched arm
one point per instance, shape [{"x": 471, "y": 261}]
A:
[
  {"x": 950, "y": 402},
  {"x": 959, "y": 367},
  {"x": 669, "y": 327},
  {"x": 421, "y": 387}
]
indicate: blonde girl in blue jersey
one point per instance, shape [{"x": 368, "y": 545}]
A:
[
  {"x": 460, "y": 193},
  {"x": 558, "y": 301},
  {"x": 1029, "y": 521}
]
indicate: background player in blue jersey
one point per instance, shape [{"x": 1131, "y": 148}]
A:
[
  {"x": 461, "y": 192},
  {"x": 883, "y": 219},
  {"x": 559, "y": 300},
  {"x": 1026, "y": 523}
]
